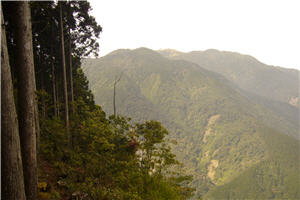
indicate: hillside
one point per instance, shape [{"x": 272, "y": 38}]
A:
[
  {"x": 247, "y": 73},
  {"x": 222, "y": 136}
]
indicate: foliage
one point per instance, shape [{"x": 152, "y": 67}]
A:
[
  {"x": 102, "y": 161},
  {"x": 221, "y": 132},
  {"x": 105, "y": 162}
]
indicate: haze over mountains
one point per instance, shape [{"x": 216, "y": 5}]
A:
[
  {"x": 235, "y": 119},
  {"x": 276, "y": 83}
]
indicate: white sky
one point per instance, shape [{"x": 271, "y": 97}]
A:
[{"x": 266, "y": 29}]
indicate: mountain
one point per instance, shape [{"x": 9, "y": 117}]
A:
[
  {"x": 276, "y": 83},
  {"x": 224, "y": 136}
]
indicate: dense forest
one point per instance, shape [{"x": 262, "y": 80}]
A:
[{"x": 56, "y": 143}]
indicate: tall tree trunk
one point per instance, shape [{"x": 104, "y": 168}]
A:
[
  {"x": 26, "y": 97},
  {"x": 114, "y": 99},
  {"x": 57, "y": 97},
  {"x": 65, "y": 88},
  {"x": 43, "y": 100},
  {"x": 71, "y": 75},
  {"x": 37, "y": 130},
  {"x": 37, "y": 124},
  {"x": 70, "y": 15},
  {"x": 12, "y": 179},
  {"x": 53, "y": 78},
  {"x": 71, "y": 84},
  {"x": 54, "y": 89}
]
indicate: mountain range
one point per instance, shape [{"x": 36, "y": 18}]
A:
[{"x": 234, "y": 118}]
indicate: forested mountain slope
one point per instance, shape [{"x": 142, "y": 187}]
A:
[
  {"x": 222, "y": 136},
  {"x": 246, "y": 72},
  {"x": 275, "y": 88}
]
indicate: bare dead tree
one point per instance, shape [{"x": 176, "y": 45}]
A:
[{"x": 114, "y": 97}]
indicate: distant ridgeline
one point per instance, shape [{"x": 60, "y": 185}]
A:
[{"x": 235, "y": 119}]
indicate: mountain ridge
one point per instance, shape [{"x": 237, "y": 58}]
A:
[
  {"x": 247, "y": 73},
  {"x": 185, "y": 98},
  {"x": 168, "y": 52}
]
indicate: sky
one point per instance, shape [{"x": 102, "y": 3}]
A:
[{"x": 269, "y": 30}]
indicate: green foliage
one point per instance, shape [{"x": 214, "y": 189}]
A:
[
  {"x": 221, "y": 132},
  {"x": 155, "y": 154},
  {"x": 106, "y": 160},
  {"x": 92, "y": 157}
]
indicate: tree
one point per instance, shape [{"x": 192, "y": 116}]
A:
[
  {"x": 63, "y": 62},
  {"x": 27, "y": 111},
  {"x": 105, "y": 163},
  {"x": 12, "y": 186},
  {"x": 81, "y": 31},
  {"x": 157, "y": 162},
  {"x": 114, "y": 97},
  {"x": 85, "y": 29},
  {"x": 70, "y": 20},
  {"x": 155, "y": 154},
  {"x": 54, "y": 96},
  {"x": 71, "y": 75}
]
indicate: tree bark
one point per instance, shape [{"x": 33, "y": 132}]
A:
[
  {"x": 65, "y": 88},
  {"x": 12, "y": 179},
  {"x": 53, "y": 80},
  {"x": 71, "y": 75},
  {"x": 70, "y": 15},
  {"x": 71, "y": 84},
  {"x": 28, "y": 118},
  {"x": 43, "y": 100},
  {"x": 57, "y": 97},
  {"x": 54, "y": 90}
]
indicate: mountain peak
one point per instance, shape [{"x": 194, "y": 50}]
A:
[
  {"x": 118, "y": 52},
  {"x": 169, "y": 52},
  {"x": 138, "y": 51}
]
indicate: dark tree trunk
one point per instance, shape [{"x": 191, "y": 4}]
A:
[
  {"x": 43, "y": 100},
  {"x": 37, "y": 130},
  {"x": 12, "y": 186},
  {"x": 71, "y": 84},
  {"x": 53, "y": 80},
  {"x": 71, "y": 75},
  {"x": 65, "y": 88},
  {"x": 28, "y": 118},
  {"x": 37, "y": 125},
  {"x": 54, "y": 90},
  {"x": 57, "y": 97}
]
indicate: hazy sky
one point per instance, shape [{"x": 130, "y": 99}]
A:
[{"x": 266, "y": 29}]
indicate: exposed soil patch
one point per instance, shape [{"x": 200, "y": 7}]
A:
[
  {"x": 211, "y": 121},
  {"x": 211, "y": 169}
]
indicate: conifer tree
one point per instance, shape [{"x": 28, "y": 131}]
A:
[
  {"x": 26, "y": 96},
  {"x": 63, "y": 62},
  {"x": 12, "y": 186}
]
